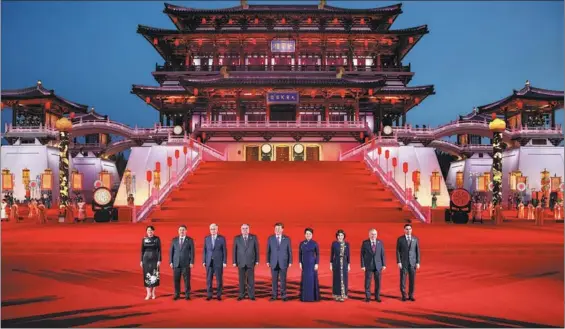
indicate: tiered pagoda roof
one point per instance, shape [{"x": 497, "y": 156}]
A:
[
  {"x": 38, "y": 95},
  {"x": 246, "y": 31},
  {"x": 169, "y": 42},
  {"x": 542, "y": 99}
]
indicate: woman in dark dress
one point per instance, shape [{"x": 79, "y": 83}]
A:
[
  {"x": 309, "y": 257},
  {"x": 150, "y": 261},
  {"x": 340, "y": 266}
]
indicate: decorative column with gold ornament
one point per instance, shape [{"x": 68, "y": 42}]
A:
[
  {"x": 64, "y": 126},
  {"x": 497, "y": 126}
]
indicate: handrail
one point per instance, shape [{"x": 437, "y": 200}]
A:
[
  {"x": 378, "y": 140},
  {"x": 162, "y": 193},
  {"x": 129, "y": 131},
  {"x": 283, "y": 124},
  {"x": 185, "y": 140},
  {"x": 483, "y": 123},
  {"x": 401, "y": 194}
]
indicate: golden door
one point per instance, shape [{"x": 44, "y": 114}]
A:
[
  {"x": 252, "y": 153},
  {"x": 312, "y": 153},
  {"x": 283, "y": 153}
]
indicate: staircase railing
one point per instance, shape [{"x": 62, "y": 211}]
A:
[
  {"x": 377, "y": 140},
  {"x": 201, "y": 147},
  {"x": 402, "y": 195},
  {"x": 158, "y": 198}
]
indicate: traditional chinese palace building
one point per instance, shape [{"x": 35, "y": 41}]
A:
[{"x": 322, "y": 76}]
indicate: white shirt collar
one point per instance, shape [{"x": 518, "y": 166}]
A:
[{"x": 408, "y": 237}]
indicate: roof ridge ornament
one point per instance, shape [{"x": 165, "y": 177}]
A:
[
  {"x": 322, "y": 4},
  {"x": 244, "y": 4},
  {"x": 527, "y": 82}
]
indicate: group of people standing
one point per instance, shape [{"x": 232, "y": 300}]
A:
[{"x": 279, "y": 259}]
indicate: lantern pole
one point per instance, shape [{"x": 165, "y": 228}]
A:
[{"x": 497, "y": 126}]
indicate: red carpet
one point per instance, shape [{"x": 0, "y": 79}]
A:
[{"x": 61, "y": 275}]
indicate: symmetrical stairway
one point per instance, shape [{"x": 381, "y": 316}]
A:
[{"x": 291, "y": 192}]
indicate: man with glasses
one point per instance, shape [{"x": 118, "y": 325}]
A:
[{"x": 408, "y": 259}]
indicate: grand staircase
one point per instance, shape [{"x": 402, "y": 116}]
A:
[{"x": 291, "y": 192}]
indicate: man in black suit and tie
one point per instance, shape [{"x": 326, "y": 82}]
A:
[
  {"x": 181, "y": 259},
  {"x": 408, "y": 259},
  {"x": 373, "y": 263},
  {"x": 245, "y": 257},
  {"x": 279, "y": 259},
  {"x": 215, "y": 258}
]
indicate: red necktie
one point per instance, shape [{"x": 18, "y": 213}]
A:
[{"x": 374, "y": 247}]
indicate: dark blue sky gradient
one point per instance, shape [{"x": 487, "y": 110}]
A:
[{"x": 89, "y": 52}]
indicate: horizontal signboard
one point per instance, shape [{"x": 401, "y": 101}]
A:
[
  {"x": 283, "y": 46},
  {"x": 282, "y": 97}
]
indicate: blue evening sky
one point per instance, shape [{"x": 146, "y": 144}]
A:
[{"x": 89, "y": 52}]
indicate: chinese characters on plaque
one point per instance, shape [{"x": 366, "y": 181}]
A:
[
  {"x": 282, "y": 97},
  {"x": 283, "y": 46}
]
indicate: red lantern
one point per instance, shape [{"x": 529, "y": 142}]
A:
[
  {"x": 177, "y": 154},
  {"x": 148, "y": 176},
  {"x": 283, "y": 20},
  {"x": 417, "y": 100},
  {"x": 185, "y": 149},
  {"x": 493, "y": 115},
  {"x": 520, "y": 104},
  {"x": 379, "y": 151},
  {"x": 370, "y": 92},
  {"x": 309, "y": 20},
  {"x": 411, "y": 40},
  {"x": 335, "y": 20},
  {"x": 230, "y": 21},
  {"x": 177, "y": 42},
  {"x": 393, "y": 101},
  {"x": 147, "y": 99},
  {"x": 72, "y": 115},
  {"x": 390, "y": 20},
  {"x": 169, "y": 161},
  {"x": 313, "y": 94},
  {"x": 195, "y": 91},
  {"x": 394, "y": 162},
  {"x": 155, "y": 41},
  {"x": 48, "y": 105},
  {"x": 227, "y": 42},
  {"x": 387, "y": 154},
  {"x": 203, "y": 20},
  {"x": 158, "y": 166},
  {"x": 309, "y": 42},
  {"x": 366, "y": 42},
  {"x": 256, "y": 20},
  {"x": 199, "y": 42},
  {"x": 253, "y": 41},
  {"x": 362, "y": 21},
  {"x": 405, "y": 167},
  {"x": 175, "y": 20}
]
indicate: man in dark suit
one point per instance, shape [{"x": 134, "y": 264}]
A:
[
  {"x": 181, "y": 259},
  {"x": 408, "y": 259},
  {"x": 373, "y": 263},
  {"x": 245, "y": 257},
  {"x": 215, "y": 258},
  {"x": 279, "y": 259}
]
